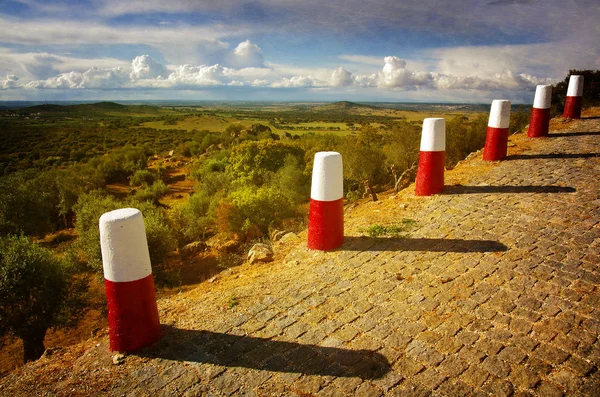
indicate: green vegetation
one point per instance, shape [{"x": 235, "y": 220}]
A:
[
  {"x": 390, "y": 230},
  {"x": 233, "y": 302},
  {"x": 37, "y": 292}
]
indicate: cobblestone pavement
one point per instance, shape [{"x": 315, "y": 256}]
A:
[{"x": 495, "y": 291}]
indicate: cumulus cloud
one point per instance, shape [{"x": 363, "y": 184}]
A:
[
  {"x": 395, "y": 75},
  {"x": 341, "y": 78},
  {"x": 247, "y": 54},
  {"x": 93, "y": 78},
  {"x": 9, "y": 82},
  {"x": 295, "y": 82},
  {"x": 203, "y": 75},
  {"x": 145, "y": 67}
]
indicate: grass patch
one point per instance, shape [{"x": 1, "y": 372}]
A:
[
  {"x": 233, "y": 301},
  {"x": 388, "y": 230}
]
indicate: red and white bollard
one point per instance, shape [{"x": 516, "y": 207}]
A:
[
  {"x": 540, "y": 114},
  {"x": 326, "y": 214},
  {"x": 573, "y": 101},
  {"x": 432, "y": 157},
  {"x": 132, "y": 312},
  {"x": 496, "y": 139}
]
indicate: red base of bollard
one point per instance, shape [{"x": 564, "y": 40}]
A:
[
  {"x": 496, "y": 144},
  {"x": 325, "y": 224},
  {"x": 132, "y": 314},
  {"x": 572, "y": 107},
  {"x": 539, "y": 123},
  {"x": 430, "y": 173}
]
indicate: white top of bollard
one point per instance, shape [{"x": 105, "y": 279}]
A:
[
  {"x": 125, "y": 255},
  {"x": 327, "y": 177},
  {"x": 575, "y": 85},
  {"x": 543, "y": 97},
  {"x": 433, "y": 136},
  {"x": 499, "y": 114}
]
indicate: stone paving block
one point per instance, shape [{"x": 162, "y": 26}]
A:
[
  {"x": 448, "y": 345},
  {"x": 454, "y": 388},
  {"x": 331, "y": 391},
  {"x": 499, "y": 387},
  {"x": 496, "y": 366},
  {"x": 366, "y": 342},
  {"x": 367, "y": 390},
  {"x": 567, "y": 380},
  {"x": 471, "y": 355},
  {"x": 548, "y": 389},
  {"x": 309, "y": 384},
  {"x": 512, "y": 354},
  {"x": 489, "y": 346},
  {"x": 430, "y": 378},
  {"x": 452, "y": 366},
  {"x": 226, "y": 384},
  {"x": 423, "y": 353},
  {"x": 524, "y": 378},
  {"x": 474, "y": 376},
  {"x": 347, "y": 384},
  {"x": 410, "y": 389},
  {"x": 550, "y": 354}
]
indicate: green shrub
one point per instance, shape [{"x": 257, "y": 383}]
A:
[
  {"x": 142, "y": 177},
  {"x": 292, "y": 181},
  {"x": 260, "y": 207},
  {"x": 194, "y": 217},
  {"x": 152, "y": 193},
  {"x": 255, "y": 162}
]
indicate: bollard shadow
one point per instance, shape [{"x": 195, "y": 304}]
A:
[
  {"x": 352, "y": 243},
  {"x": 591, "y": 118},
  {"x": 552, "y": 156},
  {"x": 579, "y": 133},
  {"x": 459, "y": 189},
  {"x": 266, "y": 354}
]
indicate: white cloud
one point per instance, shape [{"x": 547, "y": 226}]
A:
[
  {"x": 341, "y": 78},
  {"x": 145, "y": 67},
  {"x": 9, "y": 82},
  {"x": 247, "y": 54},
  {"x": 203, "y": 75},
  {"x": 395, "y": 75},
  {"x": 93, "y": 78},
  {"x": 295, "y": 82}
]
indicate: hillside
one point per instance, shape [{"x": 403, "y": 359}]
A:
[
  {"x": 342, "y": 106},
  {"x": 494, "y": 290}
]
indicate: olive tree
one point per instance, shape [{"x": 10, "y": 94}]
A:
[{"x": 37, "y": 292}]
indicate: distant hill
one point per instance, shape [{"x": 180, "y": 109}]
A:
[
  {"x": 100, "y": 107},
  {"x": 51, "y": 108},
  {"x": 342, "y": 106}
]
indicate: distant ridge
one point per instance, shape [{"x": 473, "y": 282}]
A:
[
  {"x": 342, "y": 105},
  {"x": 51, "y": 108}
]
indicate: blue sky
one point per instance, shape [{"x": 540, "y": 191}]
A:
[{"x": 375, "y": 50}]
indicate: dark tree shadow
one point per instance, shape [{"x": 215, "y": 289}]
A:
[
  {"x": 352, "y": 243},
  {"x": 266, "y": 354},
  {"x": 552, "y": 156},
  {"x": 459, "y": 189},
  {"x": 567, "y": 134}
]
